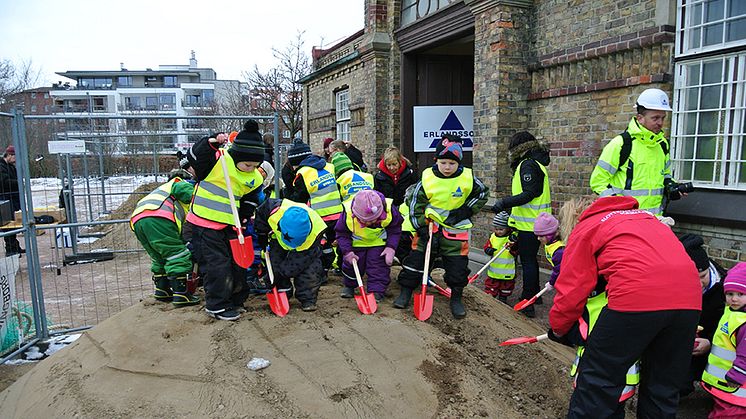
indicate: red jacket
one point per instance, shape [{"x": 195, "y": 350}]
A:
[{"x": 646, "y": 266}]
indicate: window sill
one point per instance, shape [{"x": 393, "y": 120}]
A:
[{"x": 712, "y": 207}]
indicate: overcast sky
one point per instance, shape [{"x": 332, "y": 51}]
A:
[{"x": 228, "y": 36}]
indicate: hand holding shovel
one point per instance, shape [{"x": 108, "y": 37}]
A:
[
  {"x": 365, "y": 302},
  {"x": 487, "y": 265},
  {"x": 242, "y": 248}
]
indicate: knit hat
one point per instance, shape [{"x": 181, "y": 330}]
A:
[
  {"x": 500, "y": 220},
  {"x": 693, "y": 246},
  {"x": 248, "y": 145},
  {"x": 294, "y": 226},
  {"x": 269, "y": 173},
  {"x": 10, "y": 150},
  {"x": 298, "y": 151},
  {"x": 367, "y": 206},
  {"x": 449, "y": 148},
  {"x": 341, "y": 163},
  {"x": 736, "y": 279},
  {"x": 545, "y": 225}
]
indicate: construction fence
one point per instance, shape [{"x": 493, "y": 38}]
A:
[{"x": 84, "y": 264}]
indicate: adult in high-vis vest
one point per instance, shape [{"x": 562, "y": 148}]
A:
[
  {"x": 654, "y": 298},
  {"x": 529, "y": 159},
  {"x": 157, "y": 221},
  {"x": 368, "y": 233},
  {"x": 725, "y": 374},
  {"x": 210, "y": 213},
  {"x": 293, "y": 232},
  {"x": 500, "y": 280},
  {"x": 349, "y": 180},
  {"x": 448, "y": 195},
  {"x": 636, "y": 162},
  {"x": 316, "y": 185}
]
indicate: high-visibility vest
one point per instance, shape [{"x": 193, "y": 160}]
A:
[
  {"x": 351, "y": 182},
  {"x": 642, "y": 174},
  {"x": 503, "y": 267},
  {"x": 445, "y": 195},
  {"x": 523, "y": 217},
  {"x": 322, "y": 189},
  {"x": 160, "y": 203},
  {"x": 592, "y": 310},
  {"x": 406, "y": 225},
  {"x": 720, "y": 360},
  {"x": 368, "y": 236},
  {"x": 211, "y": 200},
  {"x": 550, "y": 248},
  {"x": 317, "y": 224}
]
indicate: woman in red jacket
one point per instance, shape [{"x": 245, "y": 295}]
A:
[{"x": 654, "y": 297}]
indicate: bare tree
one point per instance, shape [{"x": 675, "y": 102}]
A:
[
  {"x": 15, "y": 78},
  {"x": 278, "y": 88}
]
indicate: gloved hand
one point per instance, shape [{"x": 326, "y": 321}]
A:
[
  {"x": 489, "y": 251},
  {"x": 498, "y": 207},
  {"x": 457, "y": 215},
  {"x": 559, "y": 339},
  {"x": 388, "y": 255},
  {"x": 349, "y": 257}
]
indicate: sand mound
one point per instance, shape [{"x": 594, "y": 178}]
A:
[{"x": 154, "y": 361}]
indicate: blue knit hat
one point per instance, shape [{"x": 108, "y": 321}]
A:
[{"x": 295, "y": 226}]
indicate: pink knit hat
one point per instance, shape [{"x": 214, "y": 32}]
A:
[
  {"x": 736, "y": 279},
  {"x": 367, "y": 206},
  {"x": 545, "y": 225}
]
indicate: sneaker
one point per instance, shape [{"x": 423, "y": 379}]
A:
[
  {"x": 503, "y": 299},
  {"x": 308, "y": 306},
  {"x": 378, "y": 296},
  {"x": 223, "y": 314},
  {"x": 240, "y": 310},
  {"x": 347, "y": 292},
  {"x": 529, "y": 312}
]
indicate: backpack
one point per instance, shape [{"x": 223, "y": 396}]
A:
[{"x": 627, "y": 148}]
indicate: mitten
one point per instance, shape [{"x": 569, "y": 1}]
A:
[
  {"x": 388, "y": 255},
  {"x": 490, "y": 251},
  {"x": 349, "y": 257}
]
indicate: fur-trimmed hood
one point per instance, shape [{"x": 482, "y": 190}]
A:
[{"x": 537, "y": 150}]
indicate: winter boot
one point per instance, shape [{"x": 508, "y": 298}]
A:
[
  {"x": 181, "y": 296},
  {"x": 347, "y": 292},
  {"x": 405, "y": 296},
  {"x": 162, "y": 288},
  {"x": 457, "y": 307}
]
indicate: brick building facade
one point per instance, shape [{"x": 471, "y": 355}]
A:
[{"x": 568, "y": 71}]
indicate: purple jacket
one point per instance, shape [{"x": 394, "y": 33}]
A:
[
  {"x": 556, "y": 261},
  {"x": 393, "y": 231},
  {"x": 740, "y": 363}
]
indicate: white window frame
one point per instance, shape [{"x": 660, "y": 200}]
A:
[
  {"x": 342, "y": 102},
  {"x": 727, "y": 162},
  {"x": 690, "y": 23}
]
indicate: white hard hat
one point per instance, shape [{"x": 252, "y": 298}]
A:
[{"x": 654, "y": 99}]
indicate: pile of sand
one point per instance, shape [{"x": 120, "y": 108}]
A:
[{"x": 155, "y": 361}]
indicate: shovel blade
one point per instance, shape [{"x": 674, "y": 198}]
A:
[
  {"x": 473, "y": 278},
  {"x": 366, "y": 303},
  {"x": 243, "y": 254},
  {"x": 278, "y": 302},
  {"x": 524, "y": 303},
  {"x": 520, "y": 340},
  {"x": 423, "y": 305}
]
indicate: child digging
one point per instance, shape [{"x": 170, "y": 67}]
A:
[
  {"x": 368, "y": 233},
  {"x": 545, "y": 229},
  {"x": 157, "y": 221},
  {"x": 500, "y": 280},
  {"x": 725, "y": 374},
  {"x": 448, "y": 195}
]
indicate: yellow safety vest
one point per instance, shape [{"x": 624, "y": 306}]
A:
[
  {"x": 523, "y": 217},
  {"x": 351, "y": 182},
  {"x": 721, "y": 358},
  {"x": 317, "y": 224},
  {"x": 592, "y": 310},
  {"x": 368, "y": 236},
  {"x": 502, "y": 268},
  {"x": 161, "y": 204},
  {"x": 641, "y": 176},
  {"x": 211, "y": 200},
  {"x": 445, "y": 195},
  {"x": 322, "y": 189},
  {"x": 406, "y": 225},
  {"x": 550, "y": 248}
]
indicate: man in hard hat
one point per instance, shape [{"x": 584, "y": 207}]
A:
[{"x": 636, "y": 162}]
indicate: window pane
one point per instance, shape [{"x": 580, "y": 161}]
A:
[
  {"x": 688, "y": 148},
  {"x": 686, "y": 169},
  {"x": 692, "y": 99},
  {"x": 708, "y": 122},
  {"x": 694, "y": 38},
  {"x": 742, "y": 170},
  {"x": 736, "y": 8},
  {"x": 703, "y": 171},
  {"x": 706, "y": 147},
  {"x": 690, "y": 124},
  {"x": 423, "y": 7},
  {"x": 712, "y": 72},
  {"x": 710, "y": 97},
  {"x": 713, "y": 34},
  {"x": 713, "y": 10},
  {"x": 692, "y": 74},
  {"x": 736, "y": 29},
  {"x": 696, "y": 17}
]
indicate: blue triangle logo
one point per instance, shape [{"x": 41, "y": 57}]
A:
[
  {"x": 452, "y": 123},
  {"x": 357, "y": 178}
]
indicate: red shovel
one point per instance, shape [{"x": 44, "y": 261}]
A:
[
  {"x": 278, "y": 301},
  {"x": 365, "y": 302},
  {"x": 423, "y": 303},
  {"x": 524, "y": 339},
  {"x": 441, "y": 290},
  {"x": 487, "y": 265},
  {"x": 525, "y": 303},
  {"x": 241, "y": 247}
]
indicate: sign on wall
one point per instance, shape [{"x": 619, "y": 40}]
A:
[
  {"x": 431, "y": 122},
  {"x": 66, "y": 147}
]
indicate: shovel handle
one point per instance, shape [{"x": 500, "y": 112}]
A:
[
  {"x": 525, "y": 303},
  {"x": 445, "y": 293},
  {"x": 426, "y": 268},
  {"x": 269, "y": 269},
  {"x": 486, "y": 265},
  {"x": 231, "y": 198},
  {"x": 357, "y": 274}
]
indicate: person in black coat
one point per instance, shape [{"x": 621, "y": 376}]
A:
[
  {"x": 9, "y": 192},
  {"x": 395, "y": 174}
]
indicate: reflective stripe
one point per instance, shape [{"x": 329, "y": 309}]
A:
[
  {"x": 216, "y": 190},
  {"x": 160, "y": 193},
  {"x": 606, "y": 166},
  {"x": 178, "y": 255},
  {"x": 501, "y": 271},
  {"x": 149, "y": 202},
  {"x": 723, "y": 353},
  {"x": 607, "y": 192},
  {"x": 537, "y": 207},
  {"x": 212, "y": 205},
  {"x": 523, "y": 219},
  {"x": 324, "y": 204},
  {"x": 716, "y": 371}
]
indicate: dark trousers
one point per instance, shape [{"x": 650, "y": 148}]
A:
[
  {"x": 12, "y": 246},
  {"x": 453, "y": 253},
  {"x": 224, "y": 281},
  {"x": 305, "y": 272},
  {"x": 371, "y": 263},
  {"x": 528, "y": 246},
  {"x": 329, "y": 251},
  {"x": 662, "y": 340}
]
